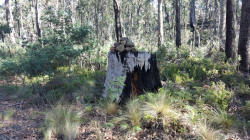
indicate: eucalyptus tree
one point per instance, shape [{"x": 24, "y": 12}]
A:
[
  {"x": 178, "y": 23},
  {"x": 160, "y": 24},
  {"x": 244, "y": 38},
  {"x": 230, "y": 49}
]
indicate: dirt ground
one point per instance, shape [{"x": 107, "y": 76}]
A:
[{"x": 19, "y": 120}]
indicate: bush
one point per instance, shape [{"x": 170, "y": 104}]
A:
[{"x": 217, "y": 95}]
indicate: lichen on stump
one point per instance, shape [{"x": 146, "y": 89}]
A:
[{"x": 140, "y": 72}]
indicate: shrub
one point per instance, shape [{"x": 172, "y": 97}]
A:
[{"x": 217, "y": 95}]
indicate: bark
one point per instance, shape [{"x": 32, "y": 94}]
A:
[
  {"x": 10, "y": 20},
  {"x": 193, "y": 24},
  {"x": 160, "y": 24},
  {"x": 31, "y": 17},
  {"x": 244, "y": 38},
  {"x": 38, "y": 30},
  {"x": 192, "y": 15},
  {"x": 230, "y": 50},
  {"x": 206, "y": 11},
  {"x": 178, "y": 23},
  {"x": 118, "y": 28},
  {"x": 167, "y": 15},
  {"x": 222, "y": 25},
  {"x": 17, "y": 10},
  {"x": 215, "y": 17},
  {"x": 139, "y": 70}
]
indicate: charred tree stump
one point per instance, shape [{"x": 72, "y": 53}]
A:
[{"x": 140, "y": 72}]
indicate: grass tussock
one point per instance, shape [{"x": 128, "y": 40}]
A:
[
  {"x": 207, "y": 133},
  {"x": 132, "y": 115},
  {"x": 62, "y": 122}
]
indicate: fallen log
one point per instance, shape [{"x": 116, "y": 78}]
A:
[{"x": 139, "y": 70}]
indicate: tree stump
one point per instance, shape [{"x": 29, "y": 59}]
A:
[{"x": 139, "y": 70}]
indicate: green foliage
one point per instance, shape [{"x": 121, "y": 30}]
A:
[
  {"x": 244, "y": 89},
  {"x": 222, "y": 120},
  {"x": 217, "y": 95},
  {"x": 188, "y": 70},
  {"x": 115, "y": 89}
]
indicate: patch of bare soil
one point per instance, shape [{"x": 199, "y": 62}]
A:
[{"x": 19, "y": 120}]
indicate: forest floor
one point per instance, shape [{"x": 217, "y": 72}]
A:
[{"x": 19, "y": 120}]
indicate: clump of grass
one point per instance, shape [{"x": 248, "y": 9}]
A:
[
  {"x": 97, "y": 130},
  {"x": 159, "y": 107},
  {"x": 111, "y": 108},
  {"x": 244, "y": 89},
  {"x": 207, "y": 133},
  {"x": 246, "y": 109},
  {"x": 132, "y": 114},
  {"x": 6, "y": 116},
  {"x": 222, "y": 120},
  {"x": 62, "y": 122}
]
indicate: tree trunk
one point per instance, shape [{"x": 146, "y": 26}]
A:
[
  {"x": 160, "y": 24},
  {"x": 193, "y": 24},
  {"x": 230, "y": 50},
  {"x": 244, "y": 38},
  {"x": 118, "y": 28},
  {"x": 221, "y": 26},
  {"x": 38, "y": 30},
  {"x": 178, "y": 23},
  {"x": 206, "y": 11},
  {"x": 10, "y": 20},
  {"x": 192, "y": 15},
  {"x": 215, "y": 17},
  {"x": 136, "y": 71}
]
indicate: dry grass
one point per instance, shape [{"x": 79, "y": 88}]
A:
[
  {"x": 160, "y": 107},
  {"x": 63, "y": 122},
  {"x": 132, "y": 114},
  {"x": 207, "y": 133},
  {"x": 111, "y": 108}
]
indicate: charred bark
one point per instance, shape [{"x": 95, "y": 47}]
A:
[
  {"x": 118, "y": 28},
  {"x": 139, "y": 69},
  {"x": 230, "y": 50},
  {"x": 244, "y": 38},
  {"x": 178, "y": 23}
]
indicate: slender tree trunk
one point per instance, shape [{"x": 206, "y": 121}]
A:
[
  {"x": 118, "y": 28},
  {"x": 17, "y": 10},
  {"x": 215, "y": 17},
  {"x": 10, "y": 20},
  {"x": 244, "y": 38},
  {"x": 193, "y": 23},
  {"x": 230, "y": 50},
  {"x": 160, "y": 24},
  {"x": 32, "y": 32},
  {"x": 97, "y": 9},
  {"x": 38, "y": 30},
  {"x": 206, "y": 11},
  {"x": 221, "y": 26},
  {"x": 178, "y": 23}
]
